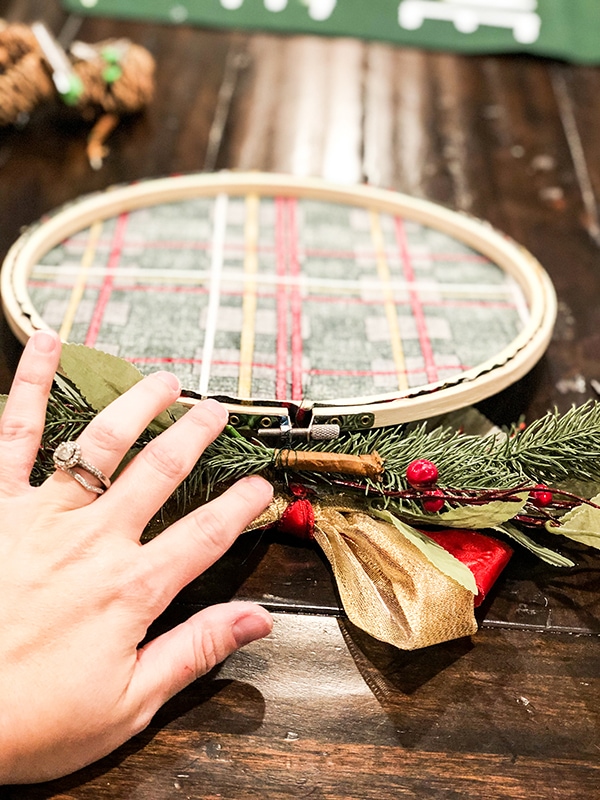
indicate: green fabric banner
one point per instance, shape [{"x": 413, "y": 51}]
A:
[{"x": 568, "y": 29}]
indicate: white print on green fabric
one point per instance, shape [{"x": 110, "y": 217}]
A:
[
  {"x": 467, "y": 15},
  {"x": 317, "y": 9},
  {"x": 566, "y": 29}
]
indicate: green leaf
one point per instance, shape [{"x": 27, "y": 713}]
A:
[
  {"x": 3, "y": 399},
  {"x": 547, "y": 555},
  {"x": 439, "y": 557},
  {"x": 101, "y": 378},
  {"x": 484, "y": 516},
  {"x": 581, "y": 524}
]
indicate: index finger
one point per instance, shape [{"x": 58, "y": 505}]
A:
[
  {"x": 192, "y": 544},
  {"x": 22, "y": 422}
]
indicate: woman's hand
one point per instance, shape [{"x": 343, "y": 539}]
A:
[{"x": 77, "y": 589}]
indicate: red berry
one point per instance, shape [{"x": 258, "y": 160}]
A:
[
  {"x": 421, "y": 474},
  {"x": 433, "y": 501},
  {"x": 541, "y": 496}
]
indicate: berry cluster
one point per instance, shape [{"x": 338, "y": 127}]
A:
[{"x": 422, "y": 475}]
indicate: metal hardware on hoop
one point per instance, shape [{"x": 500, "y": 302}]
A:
[{"x": 286, "y": 433}]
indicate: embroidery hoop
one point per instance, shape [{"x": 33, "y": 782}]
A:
[{"x": 505, "y": 367}]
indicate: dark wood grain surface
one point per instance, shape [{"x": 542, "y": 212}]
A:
[{"x": 319, "y": 709}]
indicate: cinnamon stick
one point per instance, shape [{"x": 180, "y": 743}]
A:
[{"x": 366, "y": 466}]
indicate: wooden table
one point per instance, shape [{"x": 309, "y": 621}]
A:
[{"x": 319, "y": 709}]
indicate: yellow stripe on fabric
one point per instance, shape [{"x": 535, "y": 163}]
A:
[
  {"x": 383, "y": 271},
  {"x": 78, "y": 289},
  {"x": 250, "y": 296}
]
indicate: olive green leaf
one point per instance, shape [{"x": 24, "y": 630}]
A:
[
  {"x": 3, "y": 399},
  {"x": 484, "y": 516},
  {"x": 547, "y": 555},
  {"x": 582, "y": 524},
  {"x": 439, "y": 557},
  {"x": 101, "y": 377}
]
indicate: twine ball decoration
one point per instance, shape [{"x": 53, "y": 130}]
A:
[
  {"x": 111, "y": 77},
  {"x": 25, "y": 80},
  {"x": 117, "y": 76}
]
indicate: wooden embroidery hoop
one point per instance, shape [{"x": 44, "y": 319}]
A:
[{"x": 507, "y": 366}]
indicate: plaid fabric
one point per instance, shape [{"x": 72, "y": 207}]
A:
[{"x": 279, "y": 298}]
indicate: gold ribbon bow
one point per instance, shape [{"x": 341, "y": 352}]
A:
[{"x": 387, "y": 586}]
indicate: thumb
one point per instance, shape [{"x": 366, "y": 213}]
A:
[{"x": 172, "y": 661}]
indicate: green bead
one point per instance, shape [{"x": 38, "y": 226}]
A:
[
  {"x": 74, "y": 92},
  {"x": 111, "y": 55},
  {"x": 112, "y": 73}
]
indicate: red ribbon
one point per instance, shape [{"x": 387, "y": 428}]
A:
[
  {"x": 299, "y": 518},
  {"x": 485, "y": 556}
]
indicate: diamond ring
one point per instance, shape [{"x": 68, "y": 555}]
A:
[{"x": 67, "y": 457}]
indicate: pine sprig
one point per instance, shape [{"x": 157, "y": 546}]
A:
[
  {"x": 557, "y": 448},
  {"x": 463, "y": 461},
  {"x": 553, "y": 450}
]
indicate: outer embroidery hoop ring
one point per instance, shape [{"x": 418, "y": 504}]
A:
[{"x": 507, "y": 366}]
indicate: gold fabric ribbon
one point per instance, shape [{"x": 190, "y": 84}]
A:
[{"x": 387, "y": 586}]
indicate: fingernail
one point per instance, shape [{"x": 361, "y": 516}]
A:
[
  {"x": 44, "y": 341},
  {"x": 216, "y": 408},
  {"x": 171, "y": 380},
  {"x": 259, "y": 484},
  {"x": 252, "y": 626}
]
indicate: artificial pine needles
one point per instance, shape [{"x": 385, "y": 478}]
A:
[{"x": 552, "y": 450}]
